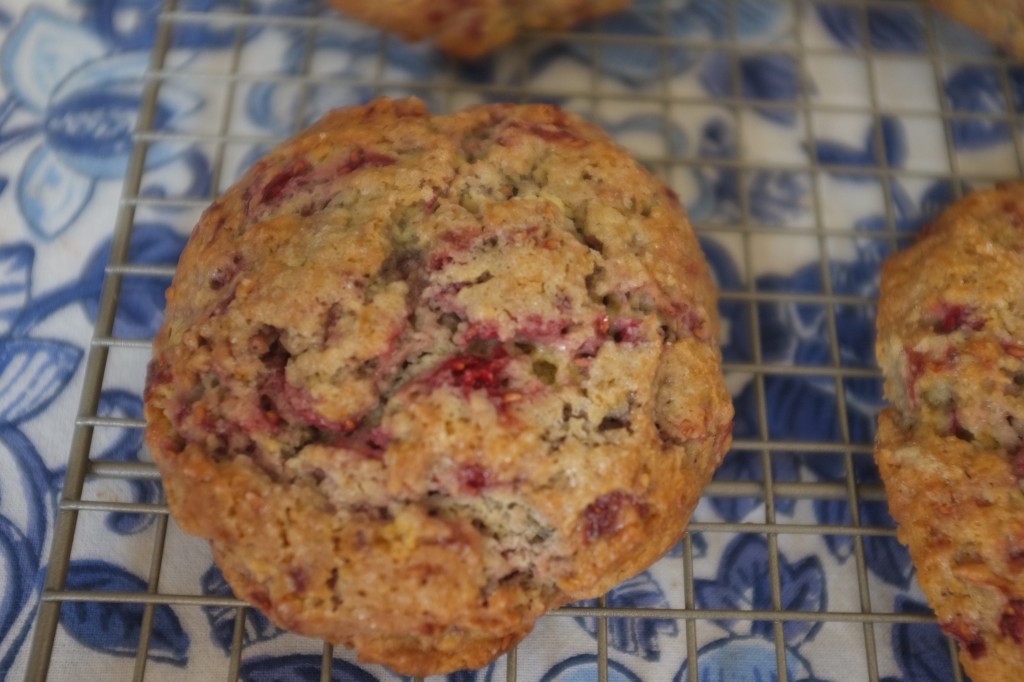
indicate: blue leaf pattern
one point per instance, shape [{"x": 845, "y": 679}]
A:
[
  {"x": 894, "y": 152},
  {"x": 886, "y": 557},
  {"x": 41, "y": 51},
  {"x": 18, "y": 563},
  {"x": 636, "y": 636},
  {"x": 977, "y": 90},
  {"x": 773, "y": 78},
  {"x": 51, "y": 195},
  {"x": 32, "y": 373},
  {"x": 772, "y": 196},
  {"x": 831, "y": 153},
  {"x": 72, "y": 94},
  {"x": 743, "y": 583},
  {"x": 140, "y": 309},
  {"x": 131, "y": 24},
  {"x": 894, "y": 141},
  {"x": 915, "y": 644},
  {"x": 258, "y": 627},
  {"x": 114, "y": 628},
  {"x": 29, "y": 473},
  {"x": 15, "y": 282},
  {"x": 92, "y": 113},
  {"x": 18, "y": 552},
  {"x": 893, "y": 29},
  {"x": 85, "y": 97}
]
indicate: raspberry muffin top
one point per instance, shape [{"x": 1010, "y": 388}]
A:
[{"x": 423, "y": 378}]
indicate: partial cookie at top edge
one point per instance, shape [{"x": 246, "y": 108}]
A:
[{"x": 469, "y": 30}]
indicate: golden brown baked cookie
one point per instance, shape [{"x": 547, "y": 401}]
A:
[
  {"x": 1001, "y": 21},
  {"x": 951, "y": 447},
  {"x": 424, "y": 378},
  {"x": 470, "y": 28}
]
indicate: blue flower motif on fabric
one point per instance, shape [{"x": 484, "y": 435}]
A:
[
  {"x": 885, "y": 556},
  {"x": 33, "y": 372},
  {"x": 914, "y": 646},
  {"x": 909, "y": 217},
  {"x": 258, "y": 627},
  {"x": 141, "y": 306},
  {"x": 743, "y": 582},
  {"x": 132, "y": 24},
  {"x": 766, "y": 78},
  {"x": 893, "y": 152},
  {"x": 801, "y": 406},
  {"x": 745, "y": 659},
  {"x": 276, "y": 106},
  {"x": 805, "y": 407},
  {"x": 635, "y": 636},
  {"x": 773, "y": 196},
  {"x": 299, "y": 668},
  {"x": 583, "y": 668},
  {"x": 115, "y": 628},
  {"x": 78, "y": 94},
  {"x": 15, "y": 278},
  {"x": 979, "y": 90}
]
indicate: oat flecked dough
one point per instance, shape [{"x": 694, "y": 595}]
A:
[
  {"x": 423, "y": 378},
  {"x": 951, "y": 447}
]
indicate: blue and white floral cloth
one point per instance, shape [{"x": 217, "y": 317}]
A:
[{"x": 824, "y": 131}]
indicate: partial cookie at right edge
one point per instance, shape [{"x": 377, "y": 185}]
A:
[
  {"x": 951, "y": 447},
  {"x": 1001, "y": 21}
]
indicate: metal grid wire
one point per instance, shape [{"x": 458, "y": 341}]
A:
[{"x": 121, "y": 272}]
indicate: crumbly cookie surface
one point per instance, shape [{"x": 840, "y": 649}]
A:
[
  {"x": 951, "y": 447},
  {"x": 1001, "y": 21},
  {"x": 471, "y": 28},
  {"x": 423, "y": 378}
]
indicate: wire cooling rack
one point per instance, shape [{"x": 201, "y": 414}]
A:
[{"x": 861, "y": 620}]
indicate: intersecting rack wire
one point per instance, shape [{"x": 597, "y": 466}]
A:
[{"x": 81, "y": 468}]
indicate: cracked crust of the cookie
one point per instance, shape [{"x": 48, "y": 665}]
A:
[
  {"x": 1001, "y": 21},
  {"x": 471, "y": 28},
  {"x": 423, "y": 378},
  {"x": 951, "y": 447}
]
